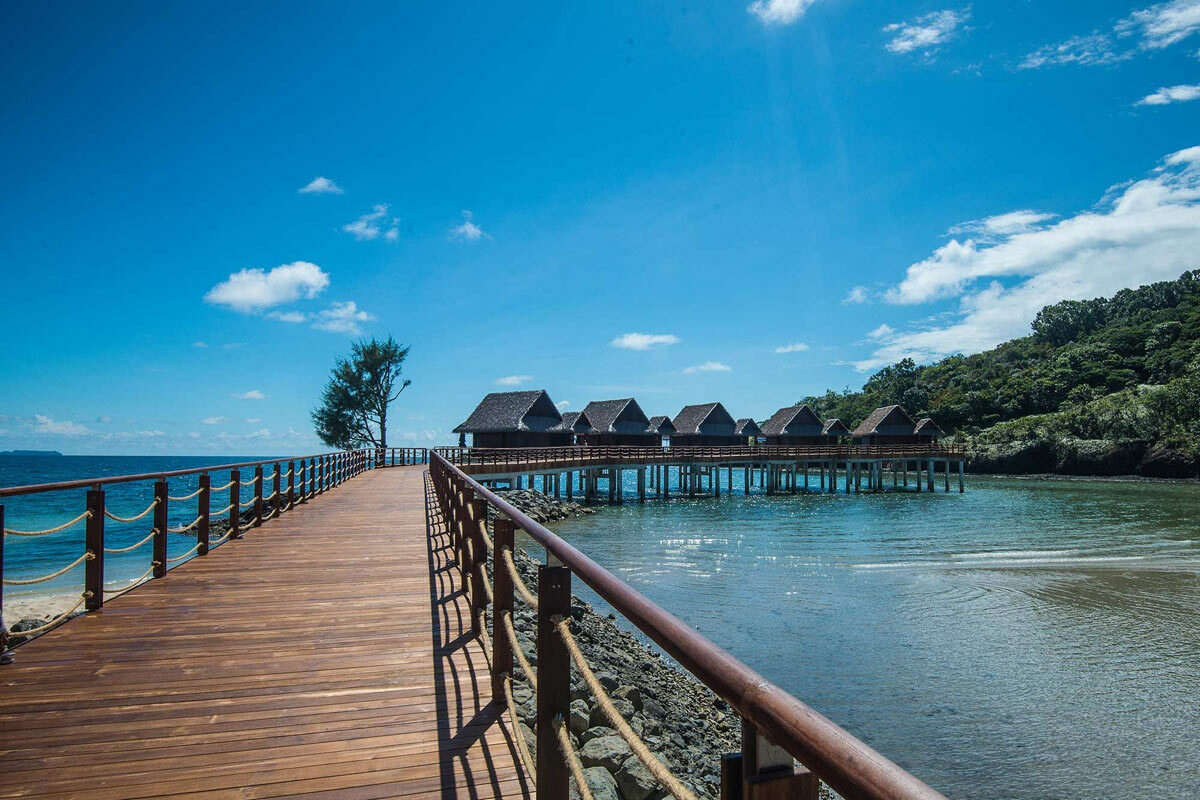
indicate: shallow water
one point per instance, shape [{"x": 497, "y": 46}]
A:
[{"x": 1028, "y": 639}]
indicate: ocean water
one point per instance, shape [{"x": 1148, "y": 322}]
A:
[
  {"x": 26, "y": 557},
  {"x": 1028, "y": 639}
]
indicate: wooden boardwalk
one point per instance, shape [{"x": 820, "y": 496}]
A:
[{"x": 326, "y": 655}]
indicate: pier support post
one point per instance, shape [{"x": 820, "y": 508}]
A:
[
  {"x": 769, "y": 772},
  {"x": 960, "y": 478},
  {"x": 848, "y": 478},
  {"x": 930, "y": 474},
  {"x": 553, "y": 681},
  {"x": 715, "y": 472},
  {"x": 946, "y": 464}
]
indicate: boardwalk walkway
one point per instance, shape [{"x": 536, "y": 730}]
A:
[{"x": 323, "y": 656}]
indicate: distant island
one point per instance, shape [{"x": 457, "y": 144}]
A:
[{"x": 30, "y": 453}]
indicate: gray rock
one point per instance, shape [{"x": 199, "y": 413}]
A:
[
  {"x": 609, "y": 752},
  {"x": 632, "y": 694},
  {"x": 580, "y": 717},
  {"x": 607, "y": 680},
  {"x": 595, "y": 733},
  {"x": 601, "y": 782},
  {"x": 634, "y": 780},
  {"x": 624, "y": 708}
]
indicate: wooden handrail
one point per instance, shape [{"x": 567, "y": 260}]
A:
[{"x": 848, "y": 765}]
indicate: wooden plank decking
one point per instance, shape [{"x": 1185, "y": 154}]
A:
[{"x": 326, "y": 655}]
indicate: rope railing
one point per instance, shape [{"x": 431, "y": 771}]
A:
[
  {"x": 487, "y": 540},
  {"x": 135, "y": 581},
  {"x": 522, "y": 589},
  {"x": 517, "y": 651},
  {"x": 181, "y": 557},
  {"x": 572, "y": 758},
  {"x": 48, "y": 531},
  {"x": 666, "y": 779},
  {"x": 485, "y": 582},
  {"x": 132, "y": 546},
  {"x": 48, "y": 625},
  {"x": 87, "y": 556},
  {"x": 522, "y": 746},
  {"x": 220, "y": 488},
  {"x": 221, "y": 539},
  {"x": 186, "y": 496},
  {"x": 212, "y": 514},
  {"x": 147, "y": 510},
  {"x": 187, "y": 527}
]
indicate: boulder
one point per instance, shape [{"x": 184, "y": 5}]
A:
[
  {"x": 630, "y": 693},
  {"x": 601, "y": 782},
  {"x": 609, "y": 752},
  {"x": 624, "y": 708},
  {"x": 595, "y": 733},
  {"x": 634, "y": 780},
  {"x": 580, "y": 717}
]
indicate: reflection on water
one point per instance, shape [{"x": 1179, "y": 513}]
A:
[{"x": 1024, "y": 640}]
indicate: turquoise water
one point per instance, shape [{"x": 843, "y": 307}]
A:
[
  {"x": 1028, "y": 639},
  {"x": 32, "y": 557}
]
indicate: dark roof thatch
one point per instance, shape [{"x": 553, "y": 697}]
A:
[
  {"x": 887, "y": 421},
  {"x": 793, "y": 421},
  {"x": 617, "y": 416},
  {"x": 747, "y": 427},
  {"x": 834, "y": 427},
  {"x": 927, "y": 427},
  {"x": 574, "y": 422},
  {"x": 661, "y": 425},
  {"x": 502, "y": 412},
  {"x": 690, "y": 418}
]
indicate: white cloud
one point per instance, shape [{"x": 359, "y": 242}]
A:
[
  {"x": 708, "y": 366},
  {"x": 856, "y": 295},
  {"x": 374, "y": 224},
  {"x": 513, "y": 380},
  {"x": 1143, "y": 231},
  {"x": 1002, "y": 224},
  {"x": 467, "y": 231},
  {"x": 44, "y": 424},
  {"x": 252, "y": 420},
  {"x": 200, "y": 344},
  {"x": 253, "y": 394},
  {"x": 561, "y": 404},
  {"x": 1091, "y": 50},
  {"x": 794, "y": 347},
  {"x": 288, "y": 316},
  {"x": 1162, "y": 25},
  {"x": 882, "y": 332},
  {"x": 1171, "y": 94},
  {"x": 321, "y": 186},
  {"x": 341, "y": 318},
  {"x": 213, "y": 420},
  {"x": 252, "y": 290},
  {"x": 779, "y": 12},
  {"x": 643, "y": 341},
  {"x": 925, "y": 33}
]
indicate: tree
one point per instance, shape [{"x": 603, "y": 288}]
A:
[{"x": 354, "y": 404}]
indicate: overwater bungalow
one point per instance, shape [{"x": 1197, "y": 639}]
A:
[
  {"x": 834, "y": 431},
  {"x": 928, "y": 431},
  {"x": 516, "y": 419},
  {"x": 887, "y": 425},
  {"x": 747, "y": 430},
  {"x": 619, "y": 422},
  {"x": 576, "y": 423},
  {"x": 661, "y": 427},
  {"x": 704, "y": 425},
  {"x": 794, "y": 426}
]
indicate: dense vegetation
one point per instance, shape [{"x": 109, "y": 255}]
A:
[{"x": 1120, "y": 368}]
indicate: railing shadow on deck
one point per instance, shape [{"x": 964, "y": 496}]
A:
[{"x": 464, "y": 716}]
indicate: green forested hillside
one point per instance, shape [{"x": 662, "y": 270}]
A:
[{"x": 1123, "y": 370}]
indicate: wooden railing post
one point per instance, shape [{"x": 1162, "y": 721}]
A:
[
  {"x": 503, "y": 536},
  {"x": 769, "y": 772},
  {"x": 258, "y": 495},
  {"x": 320, "y": 486},
  {"x": 465, "y": 556},
  {"x": 160, "y": 529},
  {"x": 478, "y": 562},
  {"x": 304, "y": 472},
  {"x": 93, "y": 576},
  {"x": 235, "y": 504},
  {"x": 203, "y": 507},
  {"x": 553, "y": 681},
  {"x": 291, "y": 485},
  {"x": 6, "y": 656},
  {"x": 277, "y": 499}
]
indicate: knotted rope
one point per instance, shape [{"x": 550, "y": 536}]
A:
[
  {"x": 185, "y": 555},
  {"x": 134, "y": 582},
  {"x": 63, "y": 527},
  {"x": 522, "y": 746},
  {"x": 522, "y": 589},
  {"x": 219, "y": 513},
  {"x": 515, "y": 646},
  {"x": 132, "y": 546},
  {"x": 87, "y": 556},
  {"x": 187, "y": 496},
  {"x": 572, "y": 758},
  {"x": 149, "y": 508},
  {"x": 187, "y": 527}
]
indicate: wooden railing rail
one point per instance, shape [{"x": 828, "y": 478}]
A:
[
  {"x": 306, "y": 477},
  {"x": 771, "y": 718}
]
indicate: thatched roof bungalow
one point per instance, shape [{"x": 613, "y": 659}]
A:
[
  {"x": 747, "y": 430},
  {"x": 833, "y": 431},
  {"x": 516, "y": 419},
  {"x": 928, "y": 431},
  {"x": 887, "y": 425},
  {"x": 661, "y": 427},
  {"x": 794, "y": 425},
  {"x": 704, "y": 425},
  {"x": 619, "y": 422},
  {"x": 575, "y": 423}
]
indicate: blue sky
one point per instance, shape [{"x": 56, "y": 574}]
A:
[{"x": 513, "y": 191}]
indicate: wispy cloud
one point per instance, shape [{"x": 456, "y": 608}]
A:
[
  {"x": 708, "y": 366},
  {"x": 45, "y": 424},
  {"x": 644, "y": 341},
  {"x": 213, "y": 420},
  {"x": 288, "y": 316},
  {"x": 467, "y": 230},
  {"x": 253, "y": 290},
  {"x": 561, "y": 404},
  {"x": 856, "y": 295},
  {"x": 1152, "y": 222},
  {"x": 373, "y": 224},
  {"x": 341, "y": 318},
  {"x": 252, "y": 420},
  {"x": 1152, "y": 28},
  {"x": 1001, "y": 225},
  {"x": 779, "y": 12},
  {"x": 1171, "y": 94},
  {"x": 253, "y": 394},
  {"x": 513, "y": 380},
  {"x": 1162, "y": 25},
  {"x": 925, "y": 33},
  {"x": 200, "y": 344},
  {"x": 1091, "y": 50},
  {"x": 320, "y": 186},
  {"x": 882, "y": 332},
  {"x": 794, "y": 347}
]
